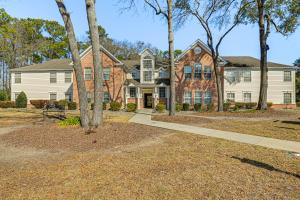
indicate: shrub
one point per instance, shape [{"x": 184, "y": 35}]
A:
[
  {"x": 250, "y": 105},
  {"x": 210, "y": 107},
  {"x": 186, "y": 107},
  {"x": 21, "y": 101},
  {"x": 238, "y": 105},
  {"x": 197, "y": 107},
  {"x": 70, "y": 121},
  {"x": 160, "y": 107},
  {"x": 131, "y": 107},
  {"x": 39, "y": 104},
  {"x": 7, "y": 104},
  {"x": 115, "y": 106},
  {"x": 298, "y": 104},
  {"x": 62, "y": 103},
  {"x": 3, "y": 95},
  {"x": 72, "y": 105},
  {"x": 178, "y": 107},
  {"x": 104, "y": 106},
  {"x": 226, "y": 106},
  {"x": 269, "y": 104}
]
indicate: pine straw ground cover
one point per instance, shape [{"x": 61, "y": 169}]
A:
[
  {"x": 131, "y": 161},
  {"x": 285, "y": 130}
]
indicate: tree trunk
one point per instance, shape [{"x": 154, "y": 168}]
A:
[
  {"x": 98, "y": 74},
  {"x": 84, "y": 117},
  {"x": 219, "y": 84},
  {"x": 172, "y": 100},
  {"x": 262, "y": 101}
]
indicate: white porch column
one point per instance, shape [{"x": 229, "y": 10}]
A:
[{"x": 138, "y": 95}]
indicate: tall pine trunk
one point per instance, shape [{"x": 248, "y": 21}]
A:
[
  {"x": 83, "y": 104},
  {"x": 98, "y": 72},
  {"x": 262, "y": 101},
  {"x": 172, "y": 99}
]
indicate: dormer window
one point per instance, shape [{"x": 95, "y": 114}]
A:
[{"x": 147, "y": 63}]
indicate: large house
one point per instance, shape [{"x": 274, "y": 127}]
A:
[{"x": 146, "y": 81}]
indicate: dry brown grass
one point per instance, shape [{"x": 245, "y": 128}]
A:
[
  {"x": 284, "y": 130},
  {"x": 181, "y": 166}
]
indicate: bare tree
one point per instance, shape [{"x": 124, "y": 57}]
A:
[
  {"x": 98, "y": 72},
  {"x": 84, "y": 117},
  {"x": 211, "y": 13}
]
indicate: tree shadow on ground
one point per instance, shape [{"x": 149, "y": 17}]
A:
[
  {"x": 264, "y": 166},
  {"x": 291, "y": 122}
]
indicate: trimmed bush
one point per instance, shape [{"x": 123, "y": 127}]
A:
[
  {"x": 39, "y": 104},
  {"x": 197, "y": 107},
  {"x": 70, "y": 121},
  {"x": 131, "y": 107},
  {"x": 178, "y": 107},
  {"x": 115, "y": 106},
  {"x": 63, "y": 104},
  {"x": 186, "y": 107},
  {"x": 72, "y": 105},
  {"x": 160, "y": 107},
  {"x": 226, "y": 106},
  {"x": 21, "y": 101},
  {"x": 7, "y": 104},
  {"x": 250, "y": 105},
  {"x": 3, "y": 95},
  {"x": 269, "y": 104},
  {"x": 238, "y": 105}
]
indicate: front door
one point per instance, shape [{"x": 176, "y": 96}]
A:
[{"x": 148, "y": 100}]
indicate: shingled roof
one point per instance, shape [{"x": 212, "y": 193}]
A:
[
  {"x": 247, "y": 61},
  {"x": 51, "y": 65}
]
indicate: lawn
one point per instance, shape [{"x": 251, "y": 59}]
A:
[{"x": 129, "y": 161}]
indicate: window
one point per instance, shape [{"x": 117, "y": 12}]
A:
[
  {"x": 132, "y": 92},
  {"x": 187, "y": 72},
  {"x": 247, "y": 76},
  {"x": 68, "y": 77},
  {"x": 53, "y": 96},
  {"x": 87, "y": 73},
  {"x": 231, "y": 96},
  {"x": 207, "y": 98},
  {"x": 287, "y": 76},
  {"x": 231, "y": 76},
  {"x": 198, "y": 97},
  {"x": 89, "y": 97},
  {"x": 207, "y": 73},
  {"x": 106, "y": 74},
  {"x": 53, "y": 77},
  {"x": 287, "y": 98},
  {"x": 68, "y": 97},
  {"x": 198, "y": 71},
  {"x": 147, "y": 63},
  {"x": 147, "y": 76},
  {"x": 16, "y": 95},
  {"x": 106, "y": 97},
  {"x": 17, "y": 77},
  {"x": 188, "y": 97},
  {"x": 162, "y": 92},
  {"x": 247, "y": 97}
]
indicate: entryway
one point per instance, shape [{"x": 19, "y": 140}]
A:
[{"x": 148, "y": 100}]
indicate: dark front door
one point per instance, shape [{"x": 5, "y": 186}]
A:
[{"x": 147, "y": 100}]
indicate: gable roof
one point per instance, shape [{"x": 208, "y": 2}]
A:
[
  {"x": 248, "y": 61},
  {"x": 51, "y": 65},
  {"x": 147, "y": 49},
  {"x": 198, "y": 42}
]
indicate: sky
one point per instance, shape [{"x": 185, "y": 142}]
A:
[{"x": 141, "y": 24}]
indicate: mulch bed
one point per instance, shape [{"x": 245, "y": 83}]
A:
[{"x": 52, "y": 137}]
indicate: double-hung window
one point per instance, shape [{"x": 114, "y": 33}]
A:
[
  {"x": 247, "y": 97},
  {"x": 287, "y": 98},
  {"x": 207, "y": 98},
  {"x": 287, "y": 76},
  {"x": 53, "y": 96},
  {"x": 147, "y": 76},
  {"x": 207, "y": 73},
  {"x": 198, "y": 97},
  {"x": 18, "y": 77},
  {"x": 198, "y": 69},
  {"x": 247, "y": 76},
  {"x": 188, "y": 97},
  {"x": 187, "y": 72},
  {"x": 106, "y": 97},
  {"x": 132, "y": 92},
  {"x": 147, "y": 63},
  {"x": 88, "y": 73},
  {"x": 53, "y": 77},
  {"x": 231, "y": 96},
  {"x": 68, "y": 77},
  {"x": 106, "y": 74},
  {"x": 162, "y": 92}
]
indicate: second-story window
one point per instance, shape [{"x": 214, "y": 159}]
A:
[
  {"x": 106, "y": 74},
  {"x": 187, "y": 72},
  {"x": 147, "y": 63},
  {"x": 198, "y": 70},
  {"x": 147, "y": 76},
  {"x": 18, "y": 77},
  {"x": 207, "y": 73},
  {"x": 53, "y": 77},
  {"x": 87, "y": 73},
  {"x": 287, "y": 76},
  {"x": 247, "y": 76},
  {"x": 68, "y": 77}
]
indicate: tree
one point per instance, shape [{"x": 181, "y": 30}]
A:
[
  {"x": 98, "y": 73},
  {"x": 297, "y": 64},
  {"x": 283, "y": 16},
  {"x": 83, "y": 104},
  {"x": 209, "y": 14}
]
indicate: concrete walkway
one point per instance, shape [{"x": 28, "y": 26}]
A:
[{"x": 286, "y": 145}]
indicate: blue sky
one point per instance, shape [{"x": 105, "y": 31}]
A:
[{"x": 142, "y": 25}]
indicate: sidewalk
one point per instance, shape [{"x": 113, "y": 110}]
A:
[{"x": 237, "y": 137}]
